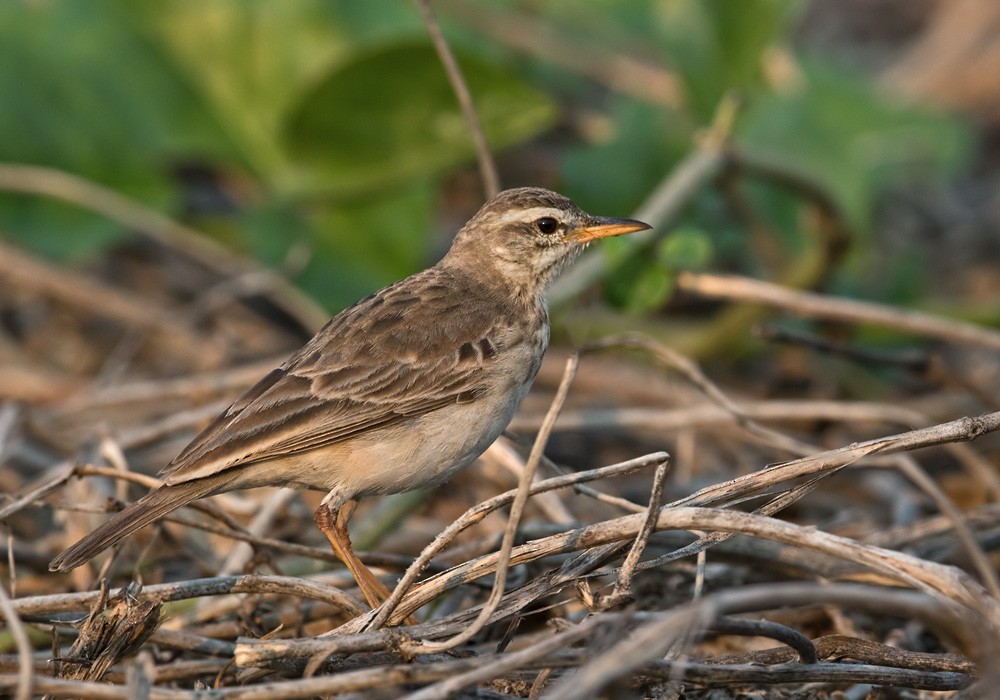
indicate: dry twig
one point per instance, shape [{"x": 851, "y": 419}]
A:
[
  {"x": 25, "y": 676},
  {"x": 57, "y": 184},
  {"x": 516, "y": 510},
  {"x": 487, "y": 166},
  {"x": 834, "y": 308}
]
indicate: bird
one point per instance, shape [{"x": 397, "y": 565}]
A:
[{"x": 397, "y": 392}]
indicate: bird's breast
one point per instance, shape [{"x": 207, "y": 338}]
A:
[{"x": 430, "y": 448}]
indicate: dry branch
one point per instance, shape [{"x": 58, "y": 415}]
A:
[
  {"x": 962, "y": 429},
  {"x": 652, "y": 640},
  {"x": 487, "y": 166},
  {"x": 516, "y": 511},
  {"x": 84, "y": 293},
  {"x": 222, "y": 585},
  {"x": 49, "y": 182},
  {"x": 815, "y": 305},
  {"x": 24, "y": 683}
]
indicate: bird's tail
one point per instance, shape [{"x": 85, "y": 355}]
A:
[{"x": 150, "y": 507}]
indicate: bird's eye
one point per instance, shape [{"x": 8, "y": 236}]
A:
[{"x": 547, "y": 224}]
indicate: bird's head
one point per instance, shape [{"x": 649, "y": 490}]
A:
[{"x": 527, "y": 235}]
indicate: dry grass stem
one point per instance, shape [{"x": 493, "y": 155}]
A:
[
  {"x": 478, "y": 512},
  {"x": 487, "y": 166},
  {"x": 49, "y": 182},
  {"x": 26, "y": 667},
  {"x": 962, "y": 429},
  {"x": 622, "y": 592},
  {"x": 221, "y": 585},
  {"x": 516, "y": 511},
  {"x": 837, "y": 309}
]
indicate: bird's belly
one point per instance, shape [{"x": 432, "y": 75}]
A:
[
  {"x": 433, "y": 448},
  {"x": 417, "y": 453}
]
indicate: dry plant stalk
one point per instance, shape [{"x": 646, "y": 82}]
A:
[{"x": 116, "y": 627}]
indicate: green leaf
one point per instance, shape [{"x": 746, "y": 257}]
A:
[
  {"x": 686, "y": 248},
  {"x": 389, "y": 231},
  {"x": 613, "y": 176},
  {"x": 368, "y": 22},
  {"x": 249, "y": 61},
  {"x": 355, "y": 245},
  {"x": 718, "y": 45},
  {"x": 649, "y": 289},
  {"x": 638, "y": 284},
  {"x": 389, "y": 116},
  {"x": 83, "y": 92},
  {"x": 853, "y": 141}
]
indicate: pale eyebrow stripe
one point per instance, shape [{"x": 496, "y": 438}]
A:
[{"x": 529, "y": 215}]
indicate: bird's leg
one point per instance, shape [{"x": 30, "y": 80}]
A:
[{"x": 332, "y": 521}]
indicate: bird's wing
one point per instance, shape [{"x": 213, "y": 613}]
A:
[{"x": 368, "y": 368}]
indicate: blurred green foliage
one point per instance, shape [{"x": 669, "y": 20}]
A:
[{"x": 331, "y": 124}]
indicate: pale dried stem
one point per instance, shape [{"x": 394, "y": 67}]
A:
[
  {"x": 705, "y": 414},
  {"x": 10, "y": 412},
  {"x": 221, "y": 585},
  {"x": 94, "y": 690},
  {"x": 967, "y": 428},
  {"x": 479, "y": 511},
  {"x": 516, "y": 511},
  {"x": 487, "y": 166},
  {"x": 690, "y": 370},
  {"x": 49, "y": 182},
  {"x": 623, "y": 586},
  {"x": 815, "y": 305},
  {"x": 912, "y": 533},
  {"x": 651, "y": 640},
  {"x": 699, "y": 576},
  {"x": 26, "y": 665}
]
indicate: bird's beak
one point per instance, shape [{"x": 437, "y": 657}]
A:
[{"x": 602, "y": 227}]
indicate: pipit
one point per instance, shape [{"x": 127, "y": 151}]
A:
[{"x": 397, "y": 392}]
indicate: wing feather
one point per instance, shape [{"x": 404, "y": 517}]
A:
[{"x": 364, "y": 370}]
